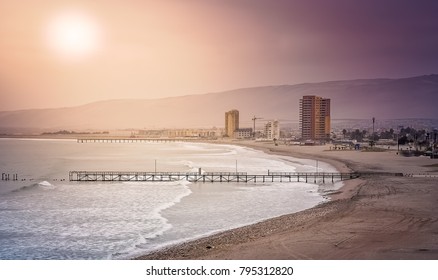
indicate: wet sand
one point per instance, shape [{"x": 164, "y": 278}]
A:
[{"x": 375, "y": 217}]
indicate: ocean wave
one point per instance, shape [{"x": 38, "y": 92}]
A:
[
  {"x": 43, "y": 185},
  {"x": 187, "y": 163},
  {"x": 208, "y": 150},
  {"x": 143, "y": 239}
]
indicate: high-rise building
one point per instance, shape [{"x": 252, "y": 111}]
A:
[
  {"x": 315, "y": 118},
  {"x": 231, "y": 122},
  {"x": 272, "y": 130}
]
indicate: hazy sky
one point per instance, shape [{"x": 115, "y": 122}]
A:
[{"x": 56, "y": 53}]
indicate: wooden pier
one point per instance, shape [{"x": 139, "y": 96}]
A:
[
  {"x": 211, "y": 177},
  {"x": 7, "y": 177},
  {"x": 136, "y": 140}
]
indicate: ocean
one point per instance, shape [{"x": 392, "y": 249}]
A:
[{"x": 44, "y": 216}]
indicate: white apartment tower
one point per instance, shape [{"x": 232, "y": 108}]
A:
[{"x": 272, "y": 130}]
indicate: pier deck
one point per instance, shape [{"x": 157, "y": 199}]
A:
[
  {"x": 136, "y": 140},
  {"x": 223, "y": 177}
]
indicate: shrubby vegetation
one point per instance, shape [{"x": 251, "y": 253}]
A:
[{"x": 406, "y": 136}]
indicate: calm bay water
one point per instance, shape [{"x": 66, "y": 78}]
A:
[{"x": 43, "y": 216}]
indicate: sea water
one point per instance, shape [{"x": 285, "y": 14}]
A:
[{"x": 44, "y": 216}]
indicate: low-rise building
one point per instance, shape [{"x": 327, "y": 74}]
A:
[
  {"x": 182, "y": 133},
  {"x": 243, "y": 133}
]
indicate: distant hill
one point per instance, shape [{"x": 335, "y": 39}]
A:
[{"x": 415, "y": 97}]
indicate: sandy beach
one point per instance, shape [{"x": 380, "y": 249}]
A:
[{"x": 374, "y": 217}]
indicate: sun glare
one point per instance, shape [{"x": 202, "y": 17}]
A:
[{"x": 73, "y": 35}]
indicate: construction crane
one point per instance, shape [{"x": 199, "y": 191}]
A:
[{"x": 254, "y": 120}]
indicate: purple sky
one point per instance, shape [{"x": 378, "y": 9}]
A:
[{"x": 153, "y": 49}]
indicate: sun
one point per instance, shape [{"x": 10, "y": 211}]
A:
[{"x": 73, "y": 34}]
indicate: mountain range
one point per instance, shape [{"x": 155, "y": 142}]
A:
[{"x": 414, "y": 97}]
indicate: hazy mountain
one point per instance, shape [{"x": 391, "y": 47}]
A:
[{"x": 415, "y": 97}]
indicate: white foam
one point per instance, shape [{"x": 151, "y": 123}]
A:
[
  {"x": 144, "y": 239},
  {"x": 46, "y": 186}
]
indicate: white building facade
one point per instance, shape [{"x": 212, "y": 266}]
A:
[
  {"x": 243, "y": 133},
  {"x": 272, "y": 130}
]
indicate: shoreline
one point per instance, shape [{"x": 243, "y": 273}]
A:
[{"x": 345, "y": 227}]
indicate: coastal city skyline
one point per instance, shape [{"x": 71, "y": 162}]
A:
[
  {"x": 70, "y": 53},
  {"x": 378, "y": 98}
]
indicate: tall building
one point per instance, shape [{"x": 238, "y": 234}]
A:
[
  {"x": 272, "y": 130},
  {"x": 231, "y": 122},
  {"x": 315, "y": 118}
]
